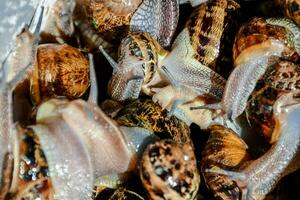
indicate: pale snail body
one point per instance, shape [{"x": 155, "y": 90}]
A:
[
  {"x": 55, "y": 125},
  {"x": 253, "y": 179},
  {"x": 59, "y": 70},
  {"x": 252, "y": 55},
  {"x": 279, "y": 79},
  {"x": 169, "y": 171}
]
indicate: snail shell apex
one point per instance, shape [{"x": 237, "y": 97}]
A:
[
  {"x": 60, "y": 70},
  {"x": 169, "y": 171}
]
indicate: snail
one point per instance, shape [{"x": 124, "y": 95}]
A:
[
  {"x": 253, "y": 179},
  {"x": 113, "y": 19},
  {"x": 259, "y": 44},
  {"x": 169, "y": 171},
  {"x": 146, "y": 114},
  {"x": 225, "y": 150},
  {"x": 59, "y": 70},
  {"x": 290, "y": 9},
  {"x": 136, "y": 73},
  {"x": 57, "y": 25},
  {"x": 207, "y": 27},
  {"x": 280, "y": 78}
]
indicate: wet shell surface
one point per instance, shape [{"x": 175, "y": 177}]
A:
[
  {"x": 260, "y": 30},
  {"x": 224, "y": 150},
  {"x": 122, "y": 7},
  {"x": 33, "y": 179},
  {"x": 169, "y": 171},
  {"x": 60, "y": 70},
  {"x": 149, "y": 115}
]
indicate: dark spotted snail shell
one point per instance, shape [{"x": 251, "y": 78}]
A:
[{"x": 168, "y": 171}]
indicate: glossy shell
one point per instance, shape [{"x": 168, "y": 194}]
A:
[
  {"x": 224, "y": 150},
  {"x": 169, "y": 171},
  {"x": 33, "y": 175},
  {"x": 60, "y": 70},
  {"x": 136, "y": 47},
  {"x": 281, "y": 78},
  {"x": 258, "y": 31},
  {"x": 113, "y": 27},
  {"x": 207, "y": 28},
  {"x": 122, "y": 7},
  {"x": 291, "y": 9},
  {"x": 149, "y": 115}
]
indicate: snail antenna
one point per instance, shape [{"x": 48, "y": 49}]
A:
[
  {"x": 111, "y": 61},
  {"x": 93, "y": 96}
]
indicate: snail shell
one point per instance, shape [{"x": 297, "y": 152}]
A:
[
  {"x": 138, "y": 62},
  {"x": 111, "y": 26},
  {"x": 60, "y": 70},
  {"x": 207, "y": 27},
  {"x": 169, "y": 171},
  {"x": 291, "y": 9},
  {"x": 32, "y": 169},
  {"x": 149, "y": 115},
  {"x": 121, "y": 7},
  {"x": 260, "y": 30},
  {"x": 224, "y": 150},
  {"x": 119, "y": 194},
  {"x": 280, "y": 78}
]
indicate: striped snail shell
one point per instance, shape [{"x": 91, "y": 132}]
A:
[
  {"x": 224, "y": 150},
  {"x": 169, "y": 171},
  {"x": 60, "y": 70}
]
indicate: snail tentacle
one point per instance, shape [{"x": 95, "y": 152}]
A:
[{"x": 93, "y": 96}]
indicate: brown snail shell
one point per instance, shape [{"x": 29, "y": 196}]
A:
[
  {"x": 279, "y": 79},
  {"x": 60, "y": 70},
  {"x": 149, "y": 115},
  {"x": 260, "y": 30},
  {"x": 208, "y": 26},
  {"x": 169, "y": 171},
  {"x": 291, "y": 9},
  {"x": 111, "y": 26},
  {"x": 121, "y": 7},
  {"x": 33, "y": 179},
  {"x": 224, "y": 150}
]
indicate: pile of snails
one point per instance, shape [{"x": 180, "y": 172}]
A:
[{"x": 152, "y": 99}]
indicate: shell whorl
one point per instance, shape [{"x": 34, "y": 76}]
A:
[{"x": 121, "y": 7}]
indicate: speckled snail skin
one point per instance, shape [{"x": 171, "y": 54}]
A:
[
  {"x": 60, "y": 70},
  {"x": 281, "y": 78},
  {"x": 169, "y": 171}
]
